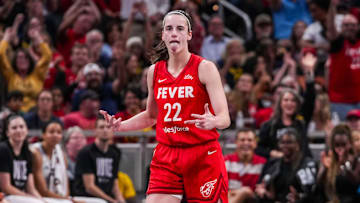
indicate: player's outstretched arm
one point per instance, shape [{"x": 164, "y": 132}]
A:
[
  {"x": 210, "y": 77},
  {"x": 142, "y": 120}
]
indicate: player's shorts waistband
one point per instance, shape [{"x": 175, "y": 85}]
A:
[{"x": 189, "y": 145}]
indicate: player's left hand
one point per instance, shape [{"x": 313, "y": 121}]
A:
[{"x": 205, "y": 121}]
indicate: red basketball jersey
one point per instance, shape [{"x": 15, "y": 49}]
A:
[{"x": 178, "y": 98}]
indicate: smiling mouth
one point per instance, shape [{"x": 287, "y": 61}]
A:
[{"x": 174, "y": 41}]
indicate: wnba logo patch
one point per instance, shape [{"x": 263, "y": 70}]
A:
[{"x": 207, "y": 188}]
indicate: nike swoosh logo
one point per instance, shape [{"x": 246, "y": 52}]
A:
[
  {"x": 211, "y": 152},
  {"x": 160, "y": 81}
]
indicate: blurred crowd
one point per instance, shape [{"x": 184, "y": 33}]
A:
[{"x": 295, "y": 71}]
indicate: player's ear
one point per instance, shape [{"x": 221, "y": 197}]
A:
[{"x": 189, "y": 35}]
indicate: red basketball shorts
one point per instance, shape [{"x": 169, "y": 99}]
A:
[{"x": 197, "y": 172}]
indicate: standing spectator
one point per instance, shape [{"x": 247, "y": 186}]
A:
[
  {"x": 356, "y": 139},
  {"x": 80, "y": 56},
  {"x": 77, "y": 21},
  {"x": 286, "y": 13},
  {"x": 214, "y": 44},
  {"x": 22, "y": 74},
  {"x": 88, "y": 109},
  {"x": 16, "y": 176},
  {"x": 43, "y": 113},
  {"x": 97, "y": 166},
  {"x": 338, "y": 178},
  {"x": 290, "y": 178},
  {"x": 94, "y": 81},
  {"x": 344, "y": 69},
  {"x": 296, "y": 36},
  {"x": 243, "y": 167}
]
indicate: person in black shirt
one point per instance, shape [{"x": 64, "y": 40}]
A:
[
  {"x": 97, "y": 166},
  {"x": 16, "y": 177}
]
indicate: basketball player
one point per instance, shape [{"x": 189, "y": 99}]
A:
[{"x": 187, "y": 103}]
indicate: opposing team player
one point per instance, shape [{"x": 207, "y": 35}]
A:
[{"x": 187, "y": 103}]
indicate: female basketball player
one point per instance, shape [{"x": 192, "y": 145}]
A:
[{"x": 187, "y": 103}]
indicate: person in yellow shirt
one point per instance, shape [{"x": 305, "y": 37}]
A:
[
  {"x": 126, "y": 187},
  {"x": 21, "y": 74}
]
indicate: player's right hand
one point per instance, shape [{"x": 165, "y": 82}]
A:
[{"x": 111, "y": 120}]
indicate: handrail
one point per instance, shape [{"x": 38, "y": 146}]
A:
[{"x": 240, "y": 13}]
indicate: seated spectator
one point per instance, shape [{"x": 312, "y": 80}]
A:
[
  {"x": 290, "y": 178},
  {"x": 43, "y": 114},
  {"x": 60, "y": 107},
  {"x": 22, "y": 74},
  {"x": 338, "y": 178},
  {"x": 16, "y": 175},
  {"x": 74, "y": 141},
  {"x": 100, "y": 52},
  {"x": 13, "y": 105},
  {"x": 85, "y": 118},
  {"x": 243, "y": 167},
  {"x": 233, "y": 61},
  {"x": 126, "y": 187},
  {"x": 242, "y": 102},
  {"x": 97, "y": 166},
  {"x": 214, "y": 44},
  {"x": 94, "y": 81},
  {"x": 50, "y": 163},
  {"x": 297, "y": 32},
  {"x": 356, "y": 139},
  {"x": 263, "y": 28},
  {"x": 353, "y": 119},
  {"x": 322, "y": 120},
  {"x": 286, "y": 114}
]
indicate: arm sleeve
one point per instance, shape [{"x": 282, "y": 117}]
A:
[
  {"x": 42, "y": 66},
  {"x": 5, "y": 65},
  {"x": 308, "y": 106}
]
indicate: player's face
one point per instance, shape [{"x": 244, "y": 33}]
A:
[
  {"x": 176, "y": 33},
  {"x": 103, "y": 131},
  {"x": 53, "y": 134},
  {"x": 17, "y": 130}
]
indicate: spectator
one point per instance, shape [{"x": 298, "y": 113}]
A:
[
  {"x": 110, "y": 8},
  {"x": 157, "y": 9},
  {"x": 77, "y": 21},
  {"x": 21, "y": 74},
  {"x": 338, "y": 178},
  {"x": 60, "y": 107},
  {"x": 242, "y": 101},
  {"x": 353, "y": 119},
  {"x": 263, "y": 28},
  {"x": 356, "y": 139},
  {"x": 13, "y": 105},
  {"x": 214, "y": 44},
  {"x": 16, "y": 176},
  {"x": 85, "y": 118},
  {"x": 232, "y": 64},
  {"x": 43, "y": 114},
  {"x": 315, "y": 34},
  {"x": 290, "y": 178},
  {"x": 297, "y": 32},
  {"x": 94, "y": 81},
  {"x": 50, "y": 163},
  {"x": 132, "y": 103},
  {"x": 126, "y": 187},
  {"x": 74, "y": 141},
  {"x": 286, "y": 13},
  {"x": 243, "y": 167},
  {"x": 322, "y": 120},
  {"x": 286, "y": 114},
  {"x": 100, "y": 52},
  {"x": 80, "y": 56},
  {"x": 97, "y": 167},
  {"x": 344, "y": 68}
]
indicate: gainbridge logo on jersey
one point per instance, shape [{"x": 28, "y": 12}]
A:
[{"x": 175, "y": 129}]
